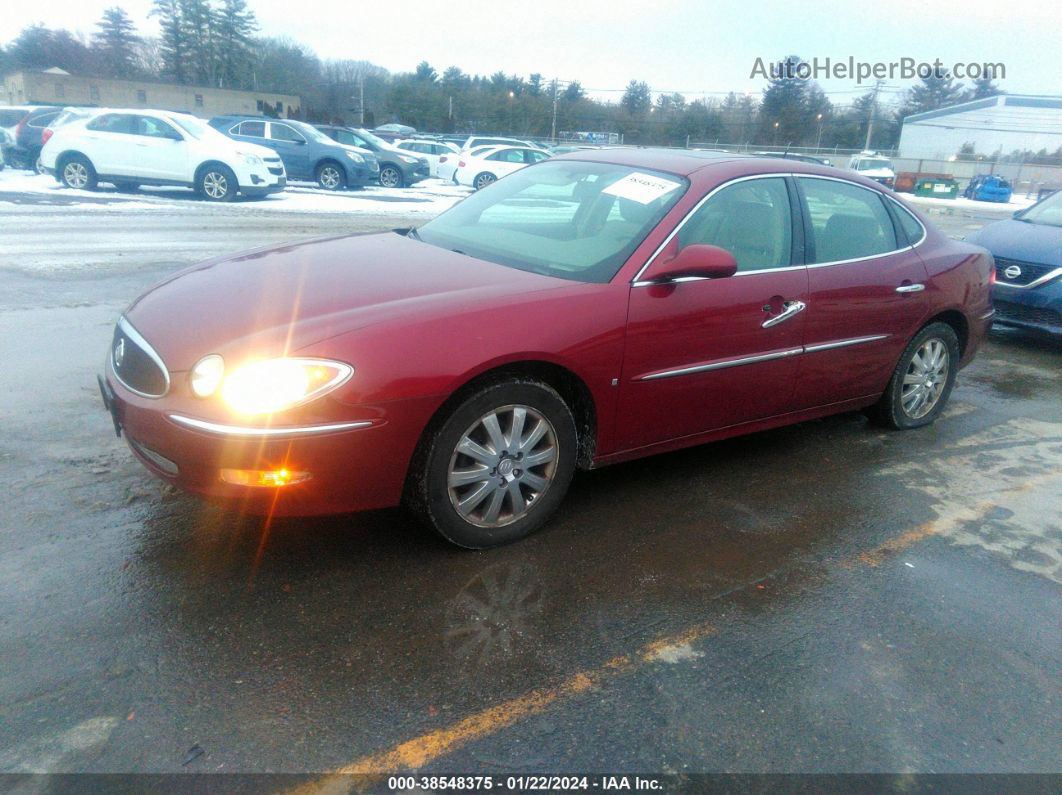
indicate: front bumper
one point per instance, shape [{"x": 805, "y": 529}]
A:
[
  {"x": 1038, "y": 309},
  {"x": 357, "y": 463}
]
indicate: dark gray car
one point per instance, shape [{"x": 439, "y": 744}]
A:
[{"x": 398, "y": 169}]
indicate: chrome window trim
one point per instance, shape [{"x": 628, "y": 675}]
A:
[
  {"x": 762, "y": 357},
  {"x": 638, "y": 282},
  {"x": 127, "y": 329},
  {"x": 244, "y": 430},
  {"x": 1047, "y": 277}
]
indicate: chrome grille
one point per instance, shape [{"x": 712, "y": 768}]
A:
[
  {"x": 136, "y": 364},
  {"x": 1021, "y": 272}
]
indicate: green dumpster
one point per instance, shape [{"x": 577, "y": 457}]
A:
[{"x": 937, "y": 188}]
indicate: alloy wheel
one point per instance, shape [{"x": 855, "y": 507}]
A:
[
  {"x": 215, "y": 185},
  {"x": 390, "y": 178},
  {"x": 75, "y": 174},
  {"x": 483, "y": 180},
  {"x": 503, "y": 463},
  {"x": 329, "y": 178},
  {"x": 925, "y": 379}
]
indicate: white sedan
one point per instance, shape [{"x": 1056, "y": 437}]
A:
[
  {"x": 431, "y": 151},
  {"x": 478, "y": 168},
  {"x": 448, "y": 164}
]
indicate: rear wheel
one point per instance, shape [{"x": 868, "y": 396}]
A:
[
  {"x": 497, "y": 467},
  {"x": 77, "y": 173},
  {"x": 483, "y": 180},
  {"x": 391, "y": 177},
  {"x": 217, "y": 183},
  {"x": 922, "y": 381},
  {"x": 330, "y": 176}
]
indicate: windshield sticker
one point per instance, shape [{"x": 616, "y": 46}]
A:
[{"x": 642, "y": 188}]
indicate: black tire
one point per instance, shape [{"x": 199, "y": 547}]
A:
[
  {"x": 391, "y": 176},
  {"x": 127, "y": 187},
  {"x": 483, "y": 180},
  {"x": 330, "y": 175},
  {"x": 216, "y": 183},
  {"x": 890, "y": 410},
  {"x": 428, "y": 491},
  {"x": 75, "y": 171}
]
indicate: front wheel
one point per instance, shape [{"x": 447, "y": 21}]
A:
[
  {"x": 483, "y": 180},
  {"x": 330, "y": 176},
  {"x": 391, "y": 177},
  {"x": 217, "y": 183},
  {"x": 922, "y": 381},
  {"x": 497, "y": 467}
]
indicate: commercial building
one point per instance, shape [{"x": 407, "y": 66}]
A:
[
  {"x": 58, "y": 87},
  {"x": 993, "y": 126}
]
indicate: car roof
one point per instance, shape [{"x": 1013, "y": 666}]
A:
[{"x": 684, "y": 162}]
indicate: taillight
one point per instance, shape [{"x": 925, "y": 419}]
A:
[
  {"x": 992, "y": 274},
  {"x": 46, "y": 134},
  {"x": 460, "y": 163},
  {"x": 442, "y": 159}
]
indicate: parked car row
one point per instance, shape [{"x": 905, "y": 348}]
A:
[{"x": 221, "y": 159}]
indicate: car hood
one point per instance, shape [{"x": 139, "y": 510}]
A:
[
  {"x": 277, "y": 300},
  {"x": 1019, "y": 240}
]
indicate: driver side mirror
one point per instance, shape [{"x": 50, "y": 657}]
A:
[{"x": 695, "y": 260}]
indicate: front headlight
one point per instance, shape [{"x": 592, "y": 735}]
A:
[
  {"x": 408, "y": 159},
  {"x": 355, "y": 157},
  {"x": 269, "y": 385},
  {"x": 252, "y": 160}
]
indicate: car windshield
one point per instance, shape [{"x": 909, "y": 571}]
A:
[
  {"x": 867, "y": 165},
  {"x": 566, "y": 218},
  {"x": 9, "y": 118},
  {"x": 199, "y": 130},
  {"x": 1048, "y": 212},
  {"x": 368, "y": 136}
]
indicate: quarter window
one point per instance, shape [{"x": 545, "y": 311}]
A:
[
  {"x": 847, "y": 221},
  {"x": 909, "y": 224},
  {"x": 750, "y": 219}
]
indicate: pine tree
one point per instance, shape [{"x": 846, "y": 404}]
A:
[
  {"x": 198, "y": 20},
  {"x": 115, "y": 40},
  {"x": 234, "y": 24},
  {"x": 934, "y": 91},
  {"x": 637, "y": 99},
  {"x": 173, "y": 39},
  {"x": 984, "y": 86}
]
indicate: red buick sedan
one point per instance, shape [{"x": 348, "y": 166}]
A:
[{"x": 590, "y": 309}]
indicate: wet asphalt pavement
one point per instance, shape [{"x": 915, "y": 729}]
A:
[{"x": 827, "y": 597}]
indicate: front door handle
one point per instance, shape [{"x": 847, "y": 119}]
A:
[
  {"x": 910, "y": 288},
  {"x": 789, "y": 309}
]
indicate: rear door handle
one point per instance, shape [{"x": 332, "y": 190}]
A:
[
  {"x": 910, "y": 288},
  {"x": 789, "y": 309}
]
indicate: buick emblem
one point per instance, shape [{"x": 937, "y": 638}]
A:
[
  {"x": 119, "y": 353},
  {"x": 1012, "y": 272}
]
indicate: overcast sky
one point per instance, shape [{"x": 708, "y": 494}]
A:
[{"x": 692, "y": 46}]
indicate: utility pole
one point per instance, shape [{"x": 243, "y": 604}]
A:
[
  {"x": 871, "y": 114},
  {"x": 553, "y": 128},
  {"x": 450, "y": 111},
  {"x": 361, "y": 99}
]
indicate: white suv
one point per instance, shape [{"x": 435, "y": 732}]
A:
[{"x": 129, "y": 148}]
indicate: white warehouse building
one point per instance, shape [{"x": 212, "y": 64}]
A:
[{"x": 994, "y": 125}]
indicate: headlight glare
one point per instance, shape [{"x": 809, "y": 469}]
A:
[
  {"x": 271, "y": 385},
  {"x": 205, "y": 377}
]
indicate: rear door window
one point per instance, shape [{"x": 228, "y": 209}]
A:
[
  {"x": 252, "y": 129},
  {"x": 114, "y": 123},
  {"x": 155, "y": 128},
  {"x": 282, "y": 132},
  {"x": 847, "y": 221}
]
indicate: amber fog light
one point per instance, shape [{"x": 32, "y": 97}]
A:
[{"x": 263, "y": 478}]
